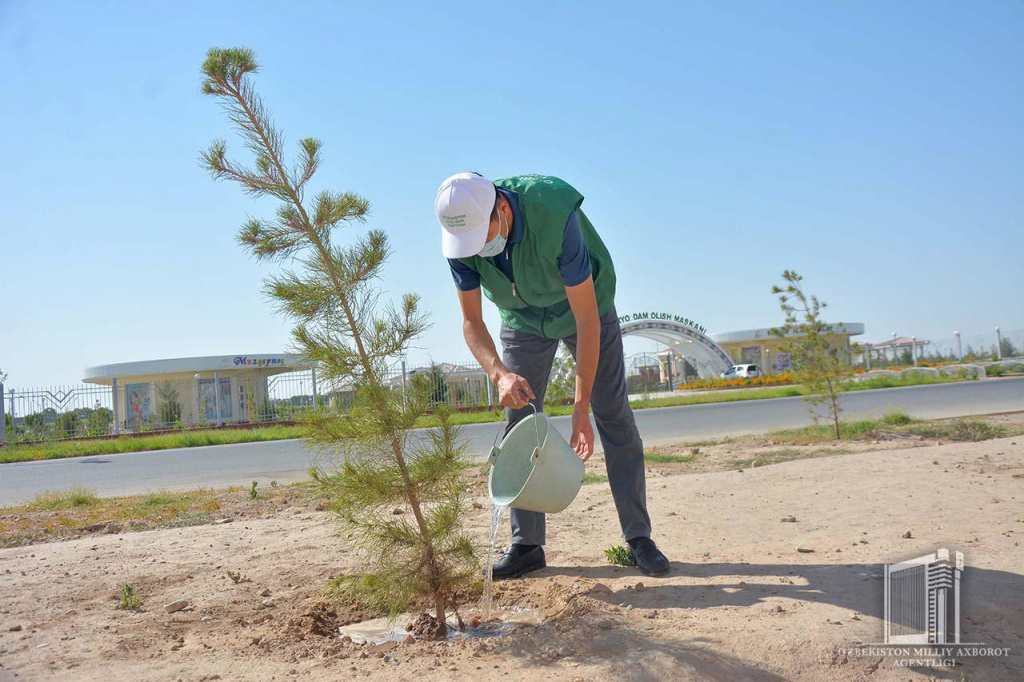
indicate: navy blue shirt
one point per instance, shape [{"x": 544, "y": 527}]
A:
[{"x": 574, "y": 261}]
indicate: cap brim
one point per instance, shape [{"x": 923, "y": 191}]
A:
[{"x": 464, "y": 244}]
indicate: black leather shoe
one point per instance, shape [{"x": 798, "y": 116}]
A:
[
  {"x": 648, "y": 557},
  {"x": 516, "y": 561}
]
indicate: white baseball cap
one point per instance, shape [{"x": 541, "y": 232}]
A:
[{"x": 463, "y": 207}]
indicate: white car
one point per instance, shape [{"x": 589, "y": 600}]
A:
[{"x": 742, "y": 372}]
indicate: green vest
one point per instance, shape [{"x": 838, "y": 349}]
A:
[{"x": 536, "y": 302}]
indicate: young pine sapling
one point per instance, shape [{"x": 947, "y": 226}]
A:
[{"x": 421, "y": 553}]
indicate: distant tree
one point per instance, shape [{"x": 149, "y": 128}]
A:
[
  {"x": 434, "y": 383},
  {"x": 68, "y": 423},
  {"x": 816, "y": 363},
  {"x": 410, "y": 557},
  {"x": 1008, "y": 348},
  {"x": 562, "y": 382},
  {"x": 169, "y": 407}
]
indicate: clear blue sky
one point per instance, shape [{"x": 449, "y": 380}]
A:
[{"x": 875, "y": 147}]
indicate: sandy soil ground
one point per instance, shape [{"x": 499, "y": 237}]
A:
[{"x": 741, "y": 602}]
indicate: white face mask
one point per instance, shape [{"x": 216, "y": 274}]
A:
[{"x": 496, "y": 245}]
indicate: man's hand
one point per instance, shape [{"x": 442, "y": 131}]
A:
[
  {"x": 514, "y": 391},
  {"x": 582, "y": 432}
]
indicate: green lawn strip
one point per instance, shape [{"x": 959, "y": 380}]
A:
[
  {"x": 82, "y": 448},
  {"x": 187, "y": 439}
]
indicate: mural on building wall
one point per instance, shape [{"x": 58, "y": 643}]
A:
[
  {"x": 208, "y": 398},
  {"x": 137, "y": 400},
  {"x": 782, "y": 362}
]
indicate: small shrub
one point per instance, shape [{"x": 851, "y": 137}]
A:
[
  {"x": 619, "y": 556},
  {"x": 129, "y": 599},
  {"x": 252, "y": 491},
  {"x": 237, "y": 578},
  {"x": 972, "y": 430},
  {"x": 66, "y": 499},
  {"x": 896, "y": 419}
]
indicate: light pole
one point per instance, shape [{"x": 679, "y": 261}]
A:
[
  {"x": 894, "y": 347},
  {"x": 959, "y": 346},
  {"x": 999, "y": 345},
  {"x": 913, "y": 349}
]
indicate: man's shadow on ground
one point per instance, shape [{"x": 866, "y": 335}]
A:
[{"x": 992, "y": 601}]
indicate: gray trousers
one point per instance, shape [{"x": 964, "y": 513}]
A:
[{"x": 531, "y": 357}]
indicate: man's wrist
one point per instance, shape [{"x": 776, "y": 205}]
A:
[
  {"x": 497, "y": 373},
  {"x": 583, "y": 405}
]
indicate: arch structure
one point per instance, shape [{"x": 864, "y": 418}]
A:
[{"x": 704, "y": 354}]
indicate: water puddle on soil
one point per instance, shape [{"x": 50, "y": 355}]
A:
[{"x": 502, "y": 622}]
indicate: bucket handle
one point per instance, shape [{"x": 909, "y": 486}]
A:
[{"x": 495, "y": 450}]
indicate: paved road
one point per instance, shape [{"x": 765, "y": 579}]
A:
[{"x": 284, "y": 461}]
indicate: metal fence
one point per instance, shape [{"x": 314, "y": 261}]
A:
[
  {"x": 997, "y": 345},
  {"x": 238, "y": 399}
]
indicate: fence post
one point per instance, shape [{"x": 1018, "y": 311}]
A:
[
  {"x": 3, "y": 417},
  {"x": 117, "y": 409},
  {"x": 316, "y": 398},
  {"x": 216, "y": 395},
  {"x": 999, "y": 345},
  {"x": 490, "y": 392},
  {"x": 404, "y": 400}
]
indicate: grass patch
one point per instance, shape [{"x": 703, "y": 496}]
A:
[
  {"x": 859, "y": 429},
  {"x": 720, "y": 396},
  {"x": 594, "y": 478},
  {"x": 163, "y": 498},
  {"x": 619, "y": 556},
  {"x": 899, "y": 382},
  {"x": 69, "y": 513},
  {"x": 186, "y": 439},
  {"x": 666, "y": 458},
  {"x": 961, "y": 430},
  {"x": 64, "y": 499}
]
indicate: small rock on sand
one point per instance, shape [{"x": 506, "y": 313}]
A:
[
  {"x": 804, "y": 550},
  {"x": 600, "y": 588},
  {"x": 226, "y": 519},
  {"x": 908, "y": 535},
  {"x": 789, "y": 519},
  {"x": 265, "y": 592},
  {"x": 640, "y": 587},
  {"x": 14, "y": 628},
  {"x": 382, "y": 647},
  {"x": 176, "y": 605}
]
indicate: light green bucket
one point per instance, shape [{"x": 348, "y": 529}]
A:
[{"x": 534, "y": 468}]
